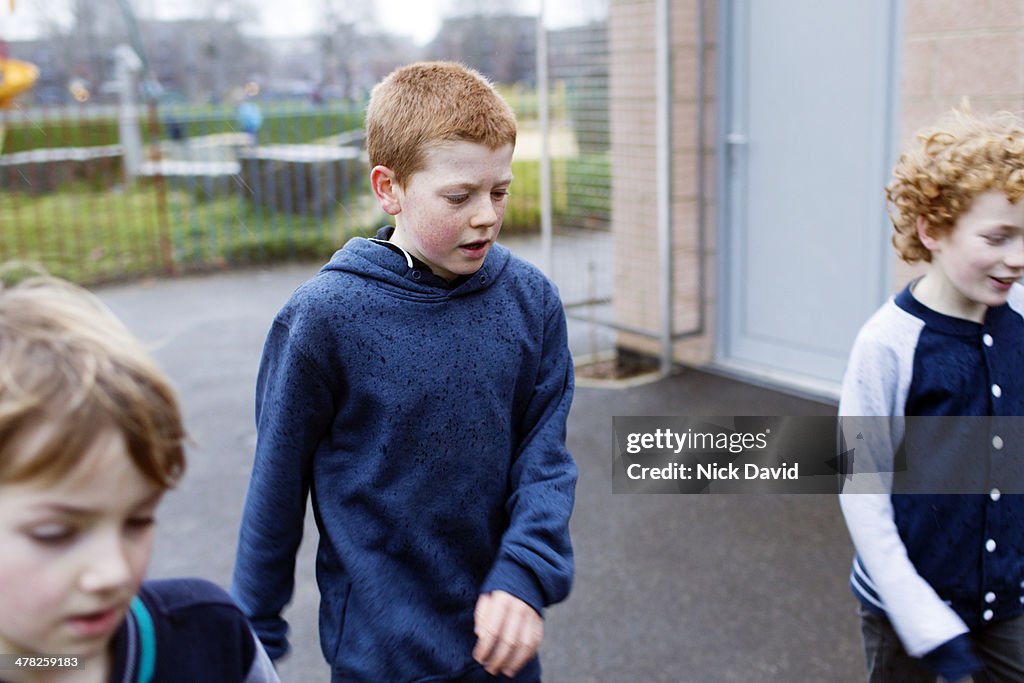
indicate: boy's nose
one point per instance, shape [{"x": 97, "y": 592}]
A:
[
  {"x": 484, "y": 215},
  {"x": 107, "y": 568},
  {"x": 1015, "y": 255}
]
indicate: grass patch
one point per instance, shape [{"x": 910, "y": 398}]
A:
[
  {"x": 283, "y": 122},
  {"x": 580, "y": 194},
  {"x": 52, "y": 132},
  {"x": 582, "y": 191},
  {"x": 89, "y": 237},
  {"x": 522, "y": 215}
]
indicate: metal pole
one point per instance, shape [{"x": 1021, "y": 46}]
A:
[
  {"x": 128, "y": 68},
  {"x": 702, "y": 219},
  {"x": 546, "y": 240},
  {"x": 663, "y": 142}
]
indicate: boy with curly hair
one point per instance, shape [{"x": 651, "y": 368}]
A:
[
  {"x": 90, "y": 439},
  {"x": 418, "y": 389},
  {"x": 940, "y": 578}
]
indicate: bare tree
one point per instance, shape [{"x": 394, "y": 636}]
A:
[
  {"x": 482, "y": 8},
  {"x": 206, "y": 54},
  {"x": 492, "y": 37},
  {"x": 224, "y": 49},
  {"x": 81, "y": 33},
  {"x": 245, "y": 14},
  {"x": 341, "y": 42}
]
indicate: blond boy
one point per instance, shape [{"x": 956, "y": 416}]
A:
[{"x": 90, "y": 439}]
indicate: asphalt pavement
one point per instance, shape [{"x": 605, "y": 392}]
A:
[{"x": 668, "y": 588}]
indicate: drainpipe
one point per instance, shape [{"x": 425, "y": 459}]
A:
[
  {"x": 663, "y": 163},
  {"x": 702, "y": 218},
  {"x": 702, "y": 181}
]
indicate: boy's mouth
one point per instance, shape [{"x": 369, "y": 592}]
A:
[
  {"x": 1004, "y": 282},
  {"x": 98, "y": 623},
  {"x": 474, "y": 248}
]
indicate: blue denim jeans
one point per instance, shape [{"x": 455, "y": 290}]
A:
[{"x": 1000, "y": 645}]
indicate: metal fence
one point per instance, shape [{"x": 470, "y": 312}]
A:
[
  {"x": 105, "y": 192},
  {"x": 203, "y": 192},
  {"x": 574, "y": 72},
  {"x": 93, "y": 193}
]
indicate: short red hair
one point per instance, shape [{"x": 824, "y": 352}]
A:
[{"x": 426, "y": 103}]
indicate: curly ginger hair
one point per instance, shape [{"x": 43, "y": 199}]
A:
[{"x": 960, "y": 157}]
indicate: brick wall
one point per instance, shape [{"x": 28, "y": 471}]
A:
[
  {"x": 954, "y": 49},
  {"x": 637, "y": 300},
  {"x": 950, "y": 49}
]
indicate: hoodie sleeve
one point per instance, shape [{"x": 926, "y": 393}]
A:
[
  {"x": 294, "y": 409},
  {"x": 535, "y": 560}
]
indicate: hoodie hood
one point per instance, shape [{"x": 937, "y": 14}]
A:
[{"x": 391, "y": 270}]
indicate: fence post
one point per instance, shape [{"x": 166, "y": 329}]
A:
[
  {"x": 163, "y": 226},
  {"x": 128, "y": 67}
]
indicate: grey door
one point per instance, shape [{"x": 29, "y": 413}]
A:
[{"x": 807, "y": 150}]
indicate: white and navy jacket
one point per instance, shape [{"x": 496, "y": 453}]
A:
[{"x": 939, "y": 565}]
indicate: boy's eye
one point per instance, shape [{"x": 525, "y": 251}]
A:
[
  {"x": 456, "y": 198},
  {"x": 52, "y": 534},
  {"x": 140, "y": 524},
  {"x": 995, "y": 239},
  {"x": 499, "y": 195}
]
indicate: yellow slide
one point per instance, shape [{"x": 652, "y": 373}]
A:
[{"x": 15, "y": 77}]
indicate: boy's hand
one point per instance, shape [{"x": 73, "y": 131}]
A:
[{"x": 508, "y": 633}]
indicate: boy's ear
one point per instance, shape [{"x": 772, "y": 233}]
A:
[
  {"x": 382, "y": 179},
  {"x": 924, "y": 234}
]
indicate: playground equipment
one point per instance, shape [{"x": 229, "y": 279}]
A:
[{"x": 16, "y": 77}]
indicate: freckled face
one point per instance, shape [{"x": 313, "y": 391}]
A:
[
  {"x": 74, "y": 553},
  {"x": 450, "y": 212}
]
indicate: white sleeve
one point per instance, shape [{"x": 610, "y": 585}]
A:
[
  {"x": 921, "y": 618},
  {"x": 876, "y": 384},
  {"x": 262, "y": 670}
]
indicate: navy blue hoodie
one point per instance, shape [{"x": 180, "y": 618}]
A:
[{"x": 428, "y": 425}]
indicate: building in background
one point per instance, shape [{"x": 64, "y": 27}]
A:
[{"x": 780, "y": 237}]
